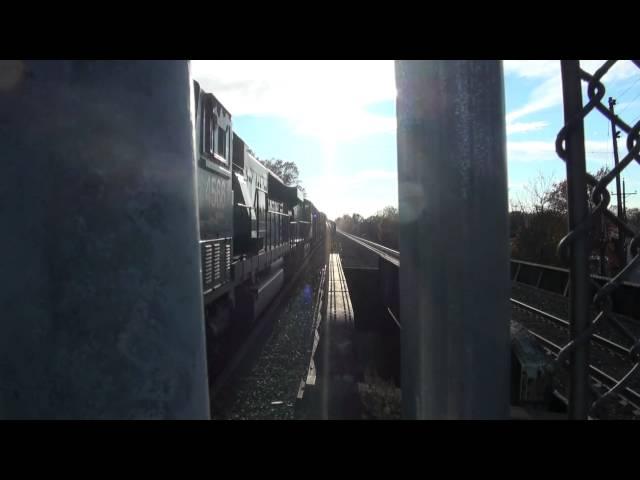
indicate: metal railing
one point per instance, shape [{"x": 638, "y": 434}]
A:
[
  {"x": 390, "y": 255},
  {"x": 584, "y": 212},
  {"x": 626, "y": 298}
]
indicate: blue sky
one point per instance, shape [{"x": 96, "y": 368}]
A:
[{"x": 336, "y": 120}]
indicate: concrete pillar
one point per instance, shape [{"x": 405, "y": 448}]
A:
[
  {"x": 454, "y": 277},
  {"x": 100, "y": 295}
]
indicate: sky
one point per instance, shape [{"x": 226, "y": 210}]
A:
[{"x": 336, "y": 121}]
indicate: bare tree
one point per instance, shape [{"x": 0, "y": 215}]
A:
[
  {"x": 539, "y": 193},
  {"x": 516, "y": 204}
]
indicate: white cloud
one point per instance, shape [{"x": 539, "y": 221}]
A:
[
  {"x": 624, "y": 105},
  {"x": 548, "y": 93},
  {"x": 521, "y": 127},
  {"x": 532, "y": 151},
  {"x": 365, "y": 175},
  {"x": 321, "y": 99},
  {"x": 622, "y": 69},
  {"x": 531, "y": 68},
  {"x": 547, "y": 68}
]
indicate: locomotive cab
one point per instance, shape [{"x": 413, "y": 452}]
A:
[{"x": 214, "y": 149}]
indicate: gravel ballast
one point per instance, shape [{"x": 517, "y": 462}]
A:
[{"x": 267, "y": 390}]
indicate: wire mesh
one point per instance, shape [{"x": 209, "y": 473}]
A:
[{"x": 599, "y": 199}]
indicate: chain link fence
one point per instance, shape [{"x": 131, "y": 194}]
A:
[{"x": 586, "y": 210}]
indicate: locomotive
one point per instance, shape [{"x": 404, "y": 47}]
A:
[{"x": 255, "y": 231}]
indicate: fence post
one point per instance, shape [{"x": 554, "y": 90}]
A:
[
  {"x": 454, "y": 278},
  {"x": 579, "y": 249},
  {"x": 100, "y": 288}
]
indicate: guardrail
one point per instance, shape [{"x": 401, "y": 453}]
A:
[
  {"x": 626, "y": 298},
  {"x": 392, "y": 256},
  {"x": 388, "y": 266}
]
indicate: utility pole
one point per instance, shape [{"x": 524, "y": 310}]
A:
[
  {"x": 603, "y": 247},
  {"x": 615, "y": 134},
  {"x": 624, "y": 212}
]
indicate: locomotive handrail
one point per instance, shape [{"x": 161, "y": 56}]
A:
[
  {"x": 278, "y": 213},
  {"x": 215, "y": 239}
]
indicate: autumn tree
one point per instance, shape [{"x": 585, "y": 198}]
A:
[
  {"x": 541, "y": 222},
  {"x": 557, "y": 195},
  {"x": 380, "y": 228},
  {"x": 287, "y": 171},
  {"x": 633, "y": 219}
]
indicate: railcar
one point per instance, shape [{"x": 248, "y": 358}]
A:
[{"x": 255, "y": 231}]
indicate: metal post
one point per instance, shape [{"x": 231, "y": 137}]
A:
[
  {"x": 579, "y": 256},
  {"x": 603, "y": 247},
  {"x": 624, "y": 219},
  {"x": 615, "y": 134},
  {"x": 454, "y": 239},
  {"x": 100, "y": 287},
  {"x": 624, "y": 202}
]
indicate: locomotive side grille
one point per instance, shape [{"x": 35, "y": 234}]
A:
[
  {"x": 216, "y": 264},
  {"x": 207, "y": 265}
]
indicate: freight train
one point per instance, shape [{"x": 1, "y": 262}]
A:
[{"x": 255, "y": 231}]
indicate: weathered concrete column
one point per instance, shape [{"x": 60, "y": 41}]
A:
[
  {"x": 454, "y": 277},
  {"x": 100, "y": 295}
]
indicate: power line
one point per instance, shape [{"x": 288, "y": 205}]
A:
[
  {"x": 632, "y": 85},
  {"x": 629, "y": 104}
]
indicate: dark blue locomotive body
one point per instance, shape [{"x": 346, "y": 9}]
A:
[
  {"x": 215, "y": 197},
  {"x": 254, "y": 229}
]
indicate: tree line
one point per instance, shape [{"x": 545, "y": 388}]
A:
[
  {"x": 381, "y": 228},
  {"x": 538, "y": 224}
]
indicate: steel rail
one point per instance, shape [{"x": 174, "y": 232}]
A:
[
  {"x": 596, "y": 373},
  {"x": 596, "y": 338}
]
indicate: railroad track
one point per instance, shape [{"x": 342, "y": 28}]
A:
[
  {"x": 628, "y": 395},
  {"x": 601, "y": 379},
  {"x": 617, "y": 348}
]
